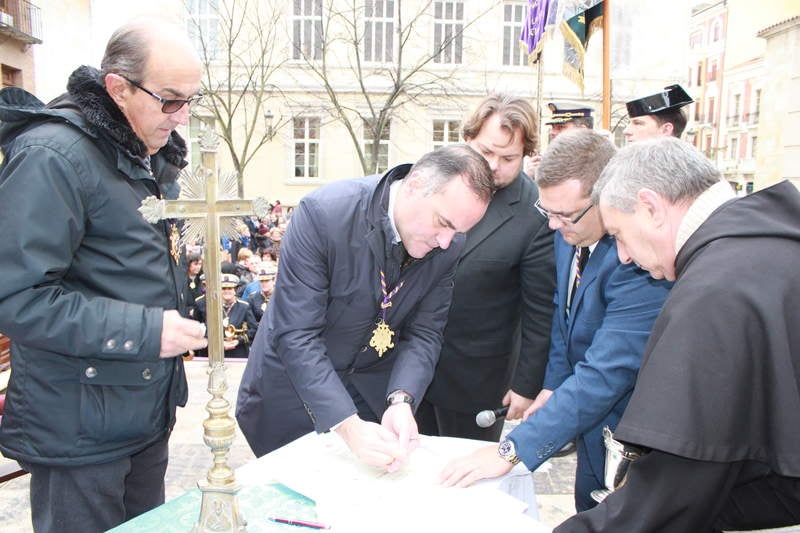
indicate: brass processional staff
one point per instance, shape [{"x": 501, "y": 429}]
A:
[{"x": 205, "y": 199}]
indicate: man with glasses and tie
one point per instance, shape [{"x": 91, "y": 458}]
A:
[
  {"x": 604, "y": 312},
  {"x": 92, "y": 294}
]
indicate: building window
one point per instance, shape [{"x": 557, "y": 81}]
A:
[
  {"x": 382, "y": 164},
  {"x": 448, "y": 25},
  {"x": 204, "y": 27},
  {"x": 699, "y": 74},
  {"x": 757, "y": 106},
  {"x": 307, "y": 29},
  {"x": 710, "y": 113},
  {"x": 737, "y": 109},
  {"x": 379, "y": 30},
  {"x": 197, "y": 124},
  {"x": 698, "y": 110},
  {"x": 734, "y": 148},
  {"x": 753, "y": 146},
  {"x": 513, "y": 21},
  {"x": 717, "y": 31},
  {"x": 306, "y": 147},
  {"x": 12, "y": 77},
  {"x": 712, "y": 73},
  {"x": 445, "y": 132}
]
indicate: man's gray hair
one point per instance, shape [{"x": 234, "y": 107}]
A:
[
  {"x": 674, "y": 169},
  {"x": 127, "y": 51},
  {"x": 437, "y": 168},
  {"x": 575, "y": 154}
]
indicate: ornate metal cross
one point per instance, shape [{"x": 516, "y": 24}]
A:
[{"x": 204, "y": 211}]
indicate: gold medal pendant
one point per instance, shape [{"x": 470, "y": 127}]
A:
[{"x": 382, "y": 338}]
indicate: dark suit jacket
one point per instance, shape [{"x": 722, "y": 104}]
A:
[
  {"x": 498, "y": 329},
  {"x": 314, "y": 338},
  {"x": 594, "y": 355}
]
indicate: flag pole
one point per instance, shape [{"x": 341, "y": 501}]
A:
[
  {"x": 607, "y": 64},
  {"x": 539, "y": 83}
]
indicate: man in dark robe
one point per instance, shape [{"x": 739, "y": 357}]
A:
[{"x": 716, "y": 408}]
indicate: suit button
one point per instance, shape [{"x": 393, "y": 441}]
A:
[
  {"x": 128, "y": 345},
  {"x": 111, "y": 344},
  {"x": 91, "y": 372},
  {"x": 147, "y": 373}
]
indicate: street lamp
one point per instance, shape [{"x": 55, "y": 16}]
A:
[{"x": 268, "y": 117}]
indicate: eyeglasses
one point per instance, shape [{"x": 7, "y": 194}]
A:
[
  {"x": 564, "y": 219},
  {"x": 167, "y": 106}
]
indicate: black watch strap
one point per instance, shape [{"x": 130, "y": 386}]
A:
[{"x": 399, "y": 396}]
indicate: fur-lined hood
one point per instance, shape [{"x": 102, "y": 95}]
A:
[{"x": 86, "y": 105}]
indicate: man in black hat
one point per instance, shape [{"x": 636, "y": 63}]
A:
[
  {"x": 565, "y": 116},
  {"x": 259, "y": 299},
  {"x": 657, "y": 115},
  {"x": 238, "y": 323},
  {"x": 568, "y": 116}
]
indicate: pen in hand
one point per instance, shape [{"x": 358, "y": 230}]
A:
[{"x": 298, "y": 522}]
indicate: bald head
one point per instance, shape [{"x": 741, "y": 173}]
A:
[{"x": 129, "y": 50}]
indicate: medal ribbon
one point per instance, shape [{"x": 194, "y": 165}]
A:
[
  {"x": 382, "y": 334},
  {"x": 387, "y": 295}
]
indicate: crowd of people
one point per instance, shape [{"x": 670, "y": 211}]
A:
[
  {"x": 586, "y": 289},
  {"x": 246, "y": 285}
]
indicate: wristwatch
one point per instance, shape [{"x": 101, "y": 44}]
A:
[
  {"x": 399, "y": 396},
  {"x": 507, "y": 451}
]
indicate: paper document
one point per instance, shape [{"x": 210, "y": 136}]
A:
[{"x": 354, "y": 497}]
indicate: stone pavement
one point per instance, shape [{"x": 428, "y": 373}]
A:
[{"x": 190, "y": 459}]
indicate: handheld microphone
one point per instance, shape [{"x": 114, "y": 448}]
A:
[{"x": 488, "y": 417}]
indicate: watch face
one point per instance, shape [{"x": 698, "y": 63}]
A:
[{"x": 506, "y": 448}]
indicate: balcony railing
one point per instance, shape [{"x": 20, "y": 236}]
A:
[
  {"x": 22, "y": 21},
  {"x": 752, "y": 118},
  {"x": 733, "y": 121}
]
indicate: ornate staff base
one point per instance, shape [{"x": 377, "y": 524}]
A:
[{"x": 219, "y": 512}]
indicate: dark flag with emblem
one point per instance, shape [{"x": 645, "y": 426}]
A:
[{"x": 580, "y": 20}]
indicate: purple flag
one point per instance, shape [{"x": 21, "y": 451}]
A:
[{"x": 536, "y": 23}]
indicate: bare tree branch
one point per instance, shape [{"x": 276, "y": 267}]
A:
[
  {"x": 240, "y": 56},
  {"x": 376, "y": 102}
]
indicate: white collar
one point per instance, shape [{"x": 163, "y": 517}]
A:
[{"x": 701, "y": 209}]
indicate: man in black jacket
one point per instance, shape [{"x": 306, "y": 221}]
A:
[
  {"x": 498, "y": 330},
  {"x": 239, "y": 324},
  {"x": 92, "y": 294}
]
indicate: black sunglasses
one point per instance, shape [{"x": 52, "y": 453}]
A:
[{"x": 167, "y": 105}]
